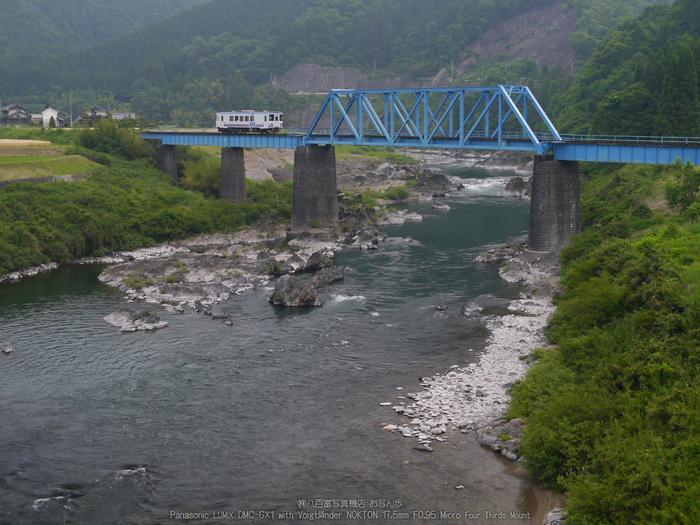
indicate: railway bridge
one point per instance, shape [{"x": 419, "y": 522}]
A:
[{"x": 504, "y": 117}]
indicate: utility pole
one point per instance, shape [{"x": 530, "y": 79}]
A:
[{"x": 70, "y": 99}]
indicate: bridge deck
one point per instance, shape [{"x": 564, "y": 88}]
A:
[
  {"x": 224, "y": 140},
  {"x": 642, "y": 152},
  {"x": 635, "y": 153}
]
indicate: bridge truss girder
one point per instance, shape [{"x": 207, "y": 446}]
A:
[{"x": 498, "y": 117}]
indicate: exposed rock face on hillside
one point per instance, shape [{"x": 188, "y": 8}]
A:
[{"x": 541, "y": 34}]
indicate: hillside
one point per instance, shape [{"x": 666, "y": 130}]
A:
[
  {"x": 229, "y": 53},
  {"x": 643, "y": 80},
  {"x": 34, "y": 28}
]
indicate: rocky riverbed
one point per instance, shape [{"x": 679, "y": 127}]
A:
[
  {"x": 475, "y": 397},
  {"x": 208, "y": 269}
]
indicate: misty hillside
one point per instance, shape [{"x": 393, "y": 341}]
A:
[
  {"x": 35, "y": 28},
  {"x": 229, "y": 53}
]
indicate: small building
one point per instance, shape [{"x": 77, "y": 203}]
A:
[
  {"x": 14, "y": 114},
  {"x": 44, "y": 118},
  {"x": 97, "y": 111},
  {"x": 121, "y": 115}
]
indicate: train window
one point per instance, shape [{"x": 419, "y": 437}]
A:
[{"x": 230, "y": 119}]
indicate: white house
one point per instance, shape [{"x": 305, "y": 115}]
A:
[{"x": 44, "y": 118}]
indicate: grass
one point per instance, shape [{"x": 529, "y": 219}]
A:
[
  {"x": 29, "y": 159},
  {"x": 374, "y": 154},
  {"x": 30, "y": 167},
  {"x": 60, "y": 136},
  {"x": 122, "y": 207}
]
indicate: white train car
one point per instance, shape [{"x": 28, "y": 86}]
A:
[{"x": 249, "y": 120}]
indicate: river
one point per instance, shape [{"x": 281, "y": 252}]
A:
[{"x": 271, "y": 417}]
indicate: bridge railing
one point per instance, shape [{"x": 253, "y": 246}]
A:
[
  {"x": 506, "y": 135},
  {"x": 626, "y": 139}
]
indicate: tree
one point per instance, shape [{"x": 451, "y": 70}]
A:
[
  {"x": 625, "y": 112},
  {"x": 684, "y": 191},
  {"x": 678, "y": 110},
  {"x": 85, "y": 118},
  {"x": 52, "y": 123}
]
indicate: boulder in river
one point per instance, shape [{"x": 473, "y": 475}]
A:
[
  {"x": 519, "y": 186},
  {"x": 502, "y": 436},
  {"x": 556, "y": 517},
  {"x": 7, "y": 348},
  {"x": 291, "y": 291},
  {"x": 471, "y": 309},
  {"x": 433, "y": 180},
  {"x": 329, "y": 275},
  {"x": 133, "y": 321},
  {"x": 318, "y": 260}
]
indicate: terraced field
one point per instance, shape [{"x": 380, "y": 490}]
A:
[{"x": 26, "y": 159}]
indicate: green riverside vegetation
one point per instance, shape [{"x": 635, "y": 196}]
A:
[
  {"x": 613, "y": 410},
  {"x": 125, "y": 205},
  {"x": 613, "y": 407}
]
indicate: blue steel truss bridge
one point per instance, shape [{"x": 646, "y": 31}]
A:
[
  {"x": 490, "y": 118},
  {"x": 504, "y": 117}
]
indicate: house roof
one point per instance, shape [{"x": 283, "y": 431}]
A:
[
  {"x": 13, "y": 106},
  {"x": 18, "y": 115}
]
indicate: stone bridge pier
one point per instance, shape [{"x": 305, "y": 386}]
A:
[
  {"x": 233, "y": 186},
  {"x": 167, "y": 159},
  {"x": 315, "y": 194},
  {"x": 555, "y": 209}
]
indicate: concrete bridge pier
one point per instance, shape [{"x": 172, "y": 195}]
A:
[
  {"x": 315, "y": 195},
  {"x": 555, "y": 210},
  {"x": 167, "y": 160},
  {"x": 233, "y": 186}
]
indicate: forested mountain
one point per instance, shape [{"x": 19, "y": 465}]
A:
[
  {"x": 643, "y": 80},
  {"x": 224, "y": 53},
  {"x": 40, "y": 28},
  {"x": 240, "y": 43}
]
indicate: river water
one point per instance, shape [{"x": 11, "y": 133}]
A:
[{"x": 279, "y": 413}]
